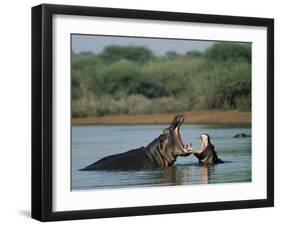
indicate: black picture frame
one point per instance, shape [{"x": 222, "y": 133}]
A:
[{"x": 42, "y": 107}]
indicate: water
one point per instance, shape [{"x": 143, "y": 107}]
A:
[{"x": 90, "y": 143}]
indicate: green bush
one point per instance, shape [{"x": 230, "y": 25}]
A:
[
  {"x": 118, "y": 79},
  {"x": 114, "y": 82},
  {"x": 229, "y": 51},
  {"x": 114, "y": 53},
  {"x": 222, "y": 84}
]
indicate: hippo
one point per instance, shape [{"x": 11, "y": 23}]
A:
[
  {"x": 161, "y": 152},
  {"x": 206, "y": 153},
  {"x": 241, "y": 135}
]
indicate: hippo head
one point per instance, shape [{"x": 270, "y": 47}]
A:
[
  {"x": 171, "y": 142},
  {"x": 206, "y": 153}
]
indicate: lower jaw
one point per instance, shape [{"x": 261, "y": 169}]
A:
[{"x": 186, "y": 154}]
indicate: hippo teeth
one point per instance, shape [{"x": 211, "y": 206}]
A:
[
  {"x": 177, "y": 132},
  {"x": 181, "y": 140}
]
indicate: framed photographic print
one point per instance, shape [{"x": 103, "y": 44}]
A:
[{"x": 145, "y": 112}]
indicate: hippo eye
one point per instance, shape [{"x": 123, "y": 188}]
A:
[{"x": 163, "y": 137}]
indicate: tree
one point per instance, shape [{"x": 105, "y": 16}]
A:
[
  {"x": 194, "y": 53},
  {"x": 171, "y": 55},
  {"x": 114, "y": 53},
  {"x": 229, "y": 51}
]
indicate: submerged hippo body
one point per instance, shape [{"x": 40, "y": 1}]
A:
[
  {"x": 130, "y": 160},
  {"x": 161, "y": 152},
  {"x": 241, "y": 135},
  {"x": 207, "y": 154}
]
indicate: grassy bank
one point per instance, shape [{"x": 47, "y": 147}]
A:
[{"x": 192, "y": 117}]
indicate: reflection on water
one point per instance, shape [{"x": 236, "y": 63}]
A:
[
  {"x": 204, "y": 173},
  {"x": 90, "y": 143}
]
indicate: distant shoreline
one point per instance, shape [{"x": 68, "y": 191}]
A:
[{"x": 191, "y": 117}]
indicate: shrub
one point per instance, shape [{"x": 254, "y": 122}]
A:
[
  {"x": 138, "y": 104},
  {"x": 83, "y": 107},
  {"x": 229, "y": 51},
  {"x": 114, "y": 53}
]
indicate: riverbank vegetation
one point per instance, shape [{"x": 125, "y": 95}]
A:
[{"x": 133, "y": 80}]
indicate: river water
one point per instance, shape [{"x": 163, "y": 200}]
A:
[{"x": 90, "y": 143}]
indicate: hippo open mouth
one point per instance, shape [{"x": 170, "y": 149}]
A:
[
  {"x": 205, "y": 141},
  {"x": 175, "y": 127}
]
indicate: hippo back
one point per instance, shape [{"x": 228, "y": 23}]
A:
[{"x": 130, "y": 160}]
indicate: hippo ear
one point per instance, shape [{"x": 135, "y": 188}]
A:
[{"x": 166, "y": 131}]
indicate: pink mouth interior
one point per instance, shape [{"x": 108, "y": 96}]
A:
[
  {"x": 203, "y": 146},
  {"x": 177, "y": 131}
]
